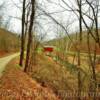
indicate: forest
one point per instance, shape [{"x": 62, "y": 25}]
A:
[{"x": 50, "y": 50}]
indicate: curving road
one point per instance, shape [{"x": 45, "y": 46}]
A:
[{"x": 5, "y": 60}]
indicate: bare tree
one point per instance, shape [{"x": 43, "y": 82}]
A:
[
  {"x": 81, "y": 14},
  {"x": 32, "y": 16},
  {"x": 22, "y": 34}
]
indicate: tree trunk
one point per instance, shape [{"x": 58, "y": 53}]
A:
[
  {"x": 30, "y": 35},
  {"x": 79, "y": 85},
  {"x": 80, "y": 40},
  {"x": 22, "y": 36},
  {"x": 92, "y": 62}
]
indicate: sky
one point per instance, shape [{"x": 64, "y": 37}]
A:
[
  {"x": 15, "y": 24},
  {"x": 51, "y": 28},
  {"x": 47, "y": 24},
  {"x": 12, "y": 11}
]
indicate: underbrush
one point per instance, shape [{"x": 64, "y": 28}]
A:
[
  {"x": 55, "y": 76},
  {"x": 17, "y": 85},
  {"x": 61, "y": 78}
]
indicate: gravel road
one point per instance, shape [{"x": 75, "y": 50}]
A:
[{"x": 5, "y": 60}]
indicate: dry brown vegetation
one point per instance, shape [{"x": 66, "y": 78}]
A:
[
  {"x": 17, "y": 85},
  {"x": 62, "y": 79},
  {"x": 64, "y": 74},
  {"x": 9, "y": 42},
  {"x": 62, "y": 42},
  {"x": 55, "y": 76},
  {"x": 3, "y": 53}
]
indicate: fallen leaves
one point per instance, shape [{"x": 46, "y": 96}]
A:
[{"x": 17, "y": 85}]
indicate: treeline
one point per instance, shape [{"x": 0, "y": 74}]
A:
[{"x": 9, "y": 42}]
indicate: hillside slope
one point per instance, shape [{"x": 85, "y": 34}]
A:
[
  {"x": 8, "y": 41},
  {"x": 65, "y": 41},
  {"x": 17, "y": 85}
]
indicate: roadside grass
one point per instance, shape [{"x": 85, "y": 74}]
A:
[
  {"x": 86, "y": 72},
  {"x": 57, "y": 77},
  {"x": 63, "y": 75},
  {"x": 61, "y": 78},
  {"x": 72, "y": 53},
  {"x": 17, "y": 85}
]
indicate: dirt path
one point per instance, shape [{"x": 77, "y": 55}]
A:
[{"x": 4, "y": 61}]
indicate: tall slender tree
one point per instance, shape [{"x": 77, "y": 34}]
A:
[
  {"x": 22, "y": 35},
  {"x": 32, "y": 16}
]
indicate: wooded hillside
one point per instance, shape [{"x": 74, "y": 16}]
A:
[{"x": 8, "y": 41}]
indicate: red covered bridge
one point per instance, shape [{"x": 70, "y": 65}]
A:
[{"x": 48, "y": 49}]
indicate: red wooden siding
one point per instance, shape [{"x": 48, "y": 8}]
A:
[{"x": 48, "y": 49}]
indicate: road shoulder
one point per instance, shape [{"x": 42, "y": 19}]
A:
[{"x": 15, "y": 84}]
